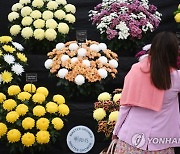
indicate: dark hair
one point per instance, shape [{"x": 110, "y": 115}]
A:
[{"x": 164, "y": 53}]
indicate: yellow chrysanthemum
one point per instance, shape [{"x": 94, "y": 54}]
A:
[
  {"x": 59, "y": 99},
  {"x": 3, "y": 129},
  {"x": 63, "y": 109},
  {"x": 42, "y": 124},
  {"x": 38, "y": 98},
  {"x": 58, "y": 123},
  {"x": 5, "y": 39},
  {"x": 63, "y": 28},
  {"x": 24, "y": 96},
  {"x": 31, "y": 88},
  {"x": 14, "y": 90},
  {"x": 12, "y": 117},
  {"x": 2, "y": 97},
  {"x": 42, "y": 137},
  {"x": 116, "y": 97},
  {"x": 9, "y": 104},
  {"x": 13, "y": 135},
  {"x": 28, "y": 139},
  {"x": 21, "y": 57},
  {"x": 22, "y": 109},
  {"x": 99, "y": 114},
  {"x": 6, "y": 77},
  {"x": 113, "y": 116},
  {"x": 43, "y": 90},
  {"x": 177, "y": 17},
  {"x": 105, "y": 96},
  {"x": 51, "y": 107},
  {"x": 8, "y": 48},
  {"x": 39, "y": 111},
  {"x": 28, "y": 123}
]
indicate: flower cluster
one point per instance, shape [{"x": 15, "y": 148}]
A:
[
  {"x": 12, "y": 61},
  {"x": 177, "y": 15},
  {"x": 125, "y": 20},
  {"x": 144, "y": 53},
  {"x": 82, "y": 64},
  {"x": 41, "y": 20},
  {"x": 106, "y": 112},
  {"x": 28, "y": 119}
]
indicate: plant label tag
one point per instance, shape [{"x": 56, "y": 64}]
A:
[
  {"x": 81, "y": 36},
  {"x": 31, "y": 77}
]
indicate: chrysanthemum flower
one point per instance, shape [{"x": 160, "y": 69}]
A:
[
  {"x": 99, "y": 114},
  {"x": 51, "y": 107},
  {"x": 39, "y": 111},
  {"x": 113, "y": 116},
  {"x": 42, "y": 124},
  {"x": 6, "y": 77},
  {"x": 8, "y": 48},
  {"x": 24, "y": 96},
  {"x": 12, "y": 117},
  {"x": 5, "y": 39},
  {"x": 28, "y": 123},
  {"x": 105, "y": 96},
  {"x": 13, "y": 135},
  {"x": 38, "y": 98},
  {"x": 2, "y": 97},
  {"x": 63, "y": 109},
  {"x": 14, "y": 90},
  {"x": 22, "y": 109},
  {"x": 3, "y": 129},
  {"x": 9, "y": 104},
  {"x": 17, "y": 69},
  {"x": 28, "y": 139},
  {"x": 58, "y": 123},
  {"x": 31, "y": 88},
  {"x": 9, "y": 58},
  {"x": 21, "y": 57},
  {"x": 43, "y": 137},
  {"x": 42, "y": 90},
  {"x": 59, "y": 99}
]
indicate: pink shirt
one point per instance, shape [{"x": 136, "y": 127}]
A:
[{"x": 152, "y": 130}]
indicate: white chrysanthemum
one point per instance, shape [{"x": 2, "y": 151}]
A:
[
  {"x": 147, "y": 47},
  {"x": 39, "y": 34},
  {"x": 48, "y": 63},
  {"x": 39, "y": 23},
  {"x": 25, "y": 11},
  {"x": 63, "y": 28},
  {"x": 102, "y": 72},
  {"x": 13, "y": 16},
  {"x": 86, "y": 62},
  {"x": 70, "y": 18},
  {"x": 18, "y": 46},
  {"x": 63, "y": 2},
  {"x": 17, "y": 7},
  {"x": 62, "y": 73},
  {"x": 102, "y": 46},
  {"x": 74, "y": 59},
  {"x": 27, "y": 32},
  {"x": 94, "y": 47},
  {"x": 123, "y": 30},
  {"x": 59, "y": 46},
  {"x": 113, "y": 63},
  {"x": 36, "y": 14},
  {"x": 26, "y": 21},
  {"x": 143, "y": 56},
  {"x": 37, "y": 3},
  {"x": 9, "y": 59},
  {"x": 47, "y": 15},
  {"x": 70, "y": 8},
  {"x": 82, "y": 52},
  {"x": 60, "y": 14},
  {"x": 52, "y": 5},
  {"x": 79, "y": 80},
  {"x": 17, "y": 68},
  {"x": 51, "y": 23},
  {"x": 73, "y": 46},
  {"x": 103, "y": 59},
  {"x": 24, "y": 1},
  {"x": 15, "y": 29},
  {"x": 50, "y": 34},
  {"x": 64, "y": 57}
]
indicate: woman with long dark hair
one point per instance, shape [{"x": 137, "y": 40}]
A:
[{"x": 149, "y": 119}]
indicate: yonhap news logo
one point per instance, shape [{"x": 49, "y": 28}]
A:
[{"x": 138, "y": 140}]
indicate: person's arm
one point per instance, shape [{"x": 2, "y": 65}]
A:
[{"x": 123, "y": 112}]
